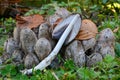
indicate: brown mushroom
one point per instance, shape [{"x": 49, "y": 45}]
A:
[{"x": 88, "y": 30}]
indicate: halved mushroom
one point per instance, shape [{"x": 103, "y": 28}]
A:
[{"x": 60, "y": 28}]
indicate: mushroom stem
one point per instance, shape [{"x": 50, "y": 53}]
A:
[{"x": 47, "y": 61}]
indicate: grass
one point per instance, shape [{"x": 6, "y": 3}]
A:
[
  {"x": 107, "y": 69},
  {"x": 3, "y": 38}
]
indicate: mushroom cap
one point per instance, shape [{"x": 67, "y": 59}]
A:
[
  {"x": 88, "y": 30},
  {"x": 60, "y": 28},
  {"x": 60, "y": 13}
]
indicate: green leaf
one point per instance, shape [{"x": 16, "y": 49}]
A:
[
  {"x": 93, "y": 7},
  {"x": 1, "y": 78},
  {"x": 104, "y": 77},
  {"x": 42, "y": 12},
  {"x": 78, "y": 10},
  {"x": 117, "y": 49},
  {"x": 34, "y": 78},
  {"x": 13, "y": 71},
  {"x": 9, "y": 70},
  {"x": 108, "y": 58},
  {"x": 45, "y": 7},
  {"x": 51, "y": 11},
  {"x": 36, "y": 72},
  {"x": 104, "y": 1},
  {"x": 83, "y": 73},
  {"x": 73, "y": 4},
  {"x": 1, "y": 30},
  {"x": 4, "y": 72},
  {"x": 63, "y": 4},
  {"x": 60, "y": 73},
  {"x": 69, "y": 65},
  {"x": 24, "y": 77}
]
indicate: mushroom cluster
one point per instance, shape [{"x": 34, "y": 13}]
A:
[
  {"x": 87, "y": 49},
  {"x": 30, "y": 46}
]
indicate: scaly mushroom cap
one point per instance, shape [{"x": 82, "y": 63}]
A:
[{"x": 88, "y": 30}]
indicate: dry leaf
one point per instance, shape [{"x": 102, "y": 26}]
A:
[
  {"x": 14, "y": 1},
  {"x": 88, "y": 30},
  {"x": 116, "y": 30},
  {"x": 29, "y": 21}
]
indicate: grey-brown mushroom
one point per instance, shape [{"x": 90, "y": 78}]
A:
[
  {"x": 76, "y": 52},
  {"x": 28, "y": 40},
  {"x": 42, "y": 48}
]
